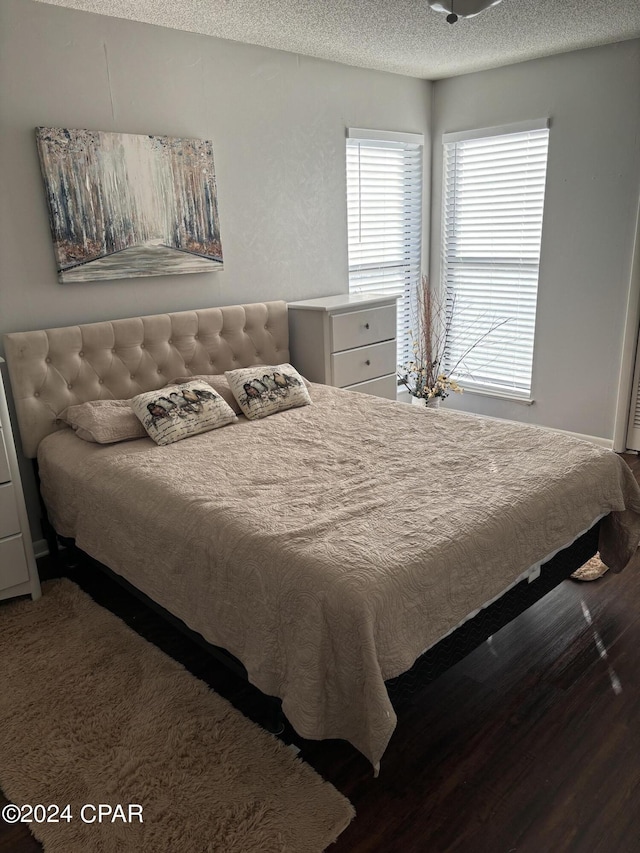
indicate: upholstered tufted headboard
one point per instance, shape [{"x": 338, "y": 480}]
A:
[{"x": 117, "y": 359}]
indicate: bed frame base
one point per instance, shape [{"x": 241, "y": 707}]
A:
[
  {"x": 491, "y": 619},
  {"x": 50, "y": 535}
]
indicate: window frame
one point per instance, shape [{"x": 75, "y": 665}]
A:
[
  {"x": 474, "y": 387},
  {"x": 413, "y": 264}
]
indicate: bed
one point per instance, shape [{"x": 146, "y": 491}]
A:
[{"x": 325, "y": 547}]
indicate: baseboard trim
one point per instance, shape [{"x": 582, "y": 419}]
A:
[
  {"x": 40, "y": 548},
  {"x": 607, "y": 443}
]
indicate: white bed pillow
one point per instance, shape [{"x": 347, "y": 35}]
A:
[
  {"x": 265, "y": 389},
  {"x": 178, "y": 411},
  {"x": 103, "y": 421}
]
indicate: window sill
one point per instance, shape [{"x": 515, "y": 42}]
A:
[
  {"x": 405, "y": 397},
  {"x": 498, "y": 395}
]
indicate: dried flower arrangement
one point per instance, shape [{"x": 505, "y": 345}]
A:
[{"x": 424, "y": 375}]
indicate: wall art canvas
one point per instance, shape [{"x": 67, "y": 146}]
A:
[{"x": 124, "y": 205}]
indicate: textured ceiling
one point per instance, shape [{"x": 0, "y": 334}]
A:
[{"x": 404, "y": 36}]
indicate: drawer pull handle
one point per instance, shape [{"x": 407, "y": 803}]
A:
[
  {"x": 368, "y": 362},
  {"x": 366, "y": 325}
]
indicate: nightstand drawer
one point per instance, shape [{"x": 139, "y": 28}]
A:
[
  {"x": 13, "y": 562},
  {"x": 5, "y": 473},
  {"x": 359, "y": 328},
  {"x": 384, "y": 386},
  {"x": 359, "y": 365},
  {"x": 9, "y": 522}
]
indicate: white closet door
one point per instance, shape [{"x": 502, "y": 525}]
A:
[{"x": 633, "y": 434}]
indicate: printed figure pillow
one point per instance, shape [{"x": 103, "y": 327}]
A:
[
  {"x": 178, "y": 411},
  {"x": 218, "y": 381},
  {"x": 264, "y": 390}
]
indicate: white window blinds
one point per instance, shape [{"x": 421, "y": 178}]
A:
[
  {"x": 494, "y": 183},
  {"x": 384, "y": 210}
]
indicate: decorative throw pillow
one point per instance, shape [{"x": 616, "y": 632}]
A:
[
  {"x": 264, "y": 390},
  {"x": 179, "y": 411},
  {"x": 103, "y": 421},
  {"x": 219, "y": 383}
]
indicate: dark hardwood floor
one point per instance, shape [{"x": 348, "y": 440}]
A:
[{"x": 530, "y": 744}]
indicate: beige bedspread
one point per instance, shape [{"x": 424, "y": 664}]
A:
[{"x": 328, "y": 546}]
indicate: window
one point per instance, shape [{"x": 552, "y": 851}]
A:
[
  {"x": 384, "y": 210},
  {"x": 494, "y": 182}
]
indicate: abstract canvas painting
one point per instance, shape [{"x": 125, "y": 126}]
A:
[{"x": 124, "y": 205}]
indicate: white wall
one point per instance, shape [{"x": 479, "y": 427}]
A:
[
  {"x": 277, "y": 122},
  {"x": 593, "y": 181}
]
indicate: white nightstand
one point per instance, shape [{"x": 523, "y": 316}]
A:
[
  {"x": 348, "y": 341},
  {"x": 18, "y": 571}
]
